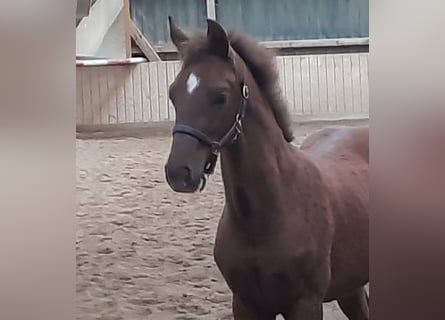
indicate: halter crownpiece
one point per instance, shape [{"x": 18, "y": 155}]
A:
[{"x": 216, "y": 145}]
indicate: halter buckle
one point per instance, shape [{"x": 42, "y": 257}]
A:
[
  {"x": 214, "y": 148},
  {"x": 245, "y": 91},
  {"x": 210, "y": 165}
]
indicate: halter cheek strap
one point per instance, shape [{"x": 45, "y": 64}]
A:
[{"x": 216, "y": 145}]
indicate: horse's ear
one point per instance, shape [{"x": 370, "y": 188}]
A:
[
  {"x": 217, "y": 39},
  {"x": 178, "y": 37}
]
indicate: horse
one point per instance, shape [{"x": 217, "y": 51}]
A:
[{"x": 294, "y": 231}]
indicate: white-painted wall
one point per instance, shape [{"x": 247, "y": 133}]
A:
[
  {"x": 331, "y": 86},
  {"x": 113, "y": 44},
  {"x": 102, "y": 31}
]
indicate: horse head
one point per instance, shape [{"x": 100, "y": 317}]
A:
[{"x": 209, "y": 96}]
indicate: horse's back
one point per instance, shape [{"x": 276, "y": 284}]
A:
[{"x": 339, "y": 141}]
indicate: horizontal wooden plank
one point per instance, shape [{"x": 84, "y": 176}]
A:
[{"x": 291, "y": 44}]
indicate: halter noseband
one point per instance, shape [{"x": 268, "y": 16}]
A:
[{"x": 216, "y": 145}]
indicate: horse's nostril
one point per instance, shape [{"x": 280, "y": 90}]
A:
[
  {"x": 185, "y": 174},
  {"x": 179, "y": 174},
  {"x": 181, "y": 179}
]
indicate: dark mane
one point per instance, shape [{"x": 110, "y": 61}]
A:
[{"x": 261, "y": 64}]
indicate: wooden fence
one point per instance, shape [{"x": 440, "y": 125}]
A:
[{"x": 316, "y": 86}]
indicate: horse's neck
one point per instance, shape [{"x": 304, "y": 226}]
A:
[{"x": 256, "y": 168}]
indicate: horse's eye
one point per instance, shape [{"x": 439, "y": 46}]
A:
[{"x": 219, "y": 100}]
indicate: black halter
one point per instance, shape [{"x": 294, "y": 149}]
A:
[{"x": 216, "y": 145}]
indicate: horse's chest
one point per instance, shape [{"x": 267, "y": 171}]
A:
[
  {"x": 268, "y": 269},
  {"x": 264, "y": 280}
]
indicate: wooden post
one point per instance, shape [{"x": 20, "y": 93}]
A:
[
  {"x": 127, "y": 18},
  {"x": 211, "y": 9}
]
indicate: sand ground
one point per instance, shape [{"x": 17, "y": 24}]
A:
[{"x": 143, "y": 251}]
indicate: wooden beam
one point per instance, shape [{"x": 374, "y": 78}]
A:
[
  {"x": 127, "y": 18},
  {"x": 211, "y": 9},
  {"x": 142, "y": 42},
  {"x": 312, "y": 43}
]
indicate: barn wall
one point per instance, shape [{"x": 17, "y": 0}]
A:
[
  {"x": 316, "y": 86},
  {"x": 265, "y": 20},
  {"x": 151, "y": 16}
]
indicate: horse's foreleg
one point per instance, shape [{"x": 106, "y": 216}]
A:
[
  {"x": 241, "y": 312},
  {"x": 355, "y": 305},
  {"x": 307, "y": 309}
]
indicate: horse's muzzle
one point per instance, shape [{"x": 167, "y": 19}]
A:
[{"x": 181, "y": 179}]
